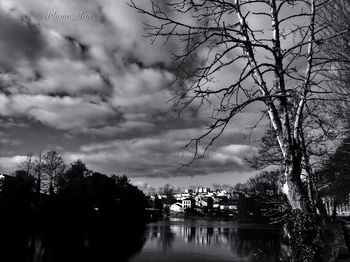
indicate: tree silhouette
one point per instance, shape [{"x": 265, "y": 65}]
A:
[
  {"x": 28, "y": 164},
  {"x": 92, "y": 216},
  {"x": 334, "y": 176},
  {"x": 53, "y": 166},
  {"x": 75, "y": 173},
  {"x": 168, "y": 191}
]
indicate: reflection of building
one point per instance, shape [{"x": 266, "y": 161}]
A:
[
  {"x": 204, "y": 236},
  {"x": 219, "y": 241}
]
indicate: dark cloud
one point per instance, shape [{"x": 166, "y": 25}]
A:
[
  {"x": 162, "y": 156},
  {"x": 11, "y": 142},
  {"x": 18, "y": 38},
  {"x": 83, "y": 47},
  {"x": 12, "y": 123},
  {"x": 101, "y": 91}
]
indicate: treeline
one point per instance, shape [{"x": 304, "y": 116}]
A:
[
  {"x": 80, "y": 213},
  {"x": 261, "y": 198}
]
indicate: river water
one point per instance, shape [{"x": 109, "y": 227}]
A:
[
  {"x": 174, "y": 239},
  {"x": 179, "y": 239}
]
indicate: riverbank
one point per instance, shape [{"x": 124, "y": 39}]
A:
[{"x": 223, "y": 218}]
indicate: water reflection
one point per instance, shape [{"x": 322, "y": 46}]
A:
[
  {"x": 200, "y": 240},
  {"x": 173, "y": 240},
  {"x": 68, "y": 245}
]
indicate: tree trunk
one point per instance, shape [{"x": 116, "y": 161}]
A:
[
  {"x": 303, "y": 226},
  {"x": 315, "y": 199},
  {"x": 334, "y": 212},
  {"x": 38, "y": 190},
  {"x": 293, "y": 187},
  {"x": 38, "y": 185},
  {"x": 51, "y": 188},
  {"x": 322, "y": 209}
]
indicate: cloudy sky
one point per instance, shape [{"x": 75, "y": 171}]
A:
[{"x": 80, "y": 77}]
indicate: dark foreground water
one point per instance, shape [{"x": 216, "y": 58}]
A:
[
  {"x": 176, "y": 239},
  {"x": 189, "y": 240}
]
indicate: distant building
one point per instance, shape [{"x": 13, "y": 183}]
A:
[
  {"x": 187, "y": 203},
  {"x": 176, "y": 207},
  {"x": 221, "y": 192},
  {"x": 2, "y": 179},
  {"x": 202, "y": 190},
  {"x": 342, "y": 209},
  {"x": 205, "y": 202},
  {"x": 188, "y": 191},
  {"x": 152, "y": 198},
  {"x": 181, "y": 196},
  {"x": 219, "y": 199},
  {"x": 229, "y": 205}
]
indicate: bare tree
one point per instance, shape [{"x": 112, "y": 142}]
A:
[
  {"x": 168, "y": 191},
  {"x": 264, "y": 184},
  {"x": 38, "y": 171},
  {"x": 337, "y": 18},
  {"x": 28, "y": 164},
  {"x": 34, "y": 165},
  {"x": 272, "y": 52},
  {"x": 53, "y": 166}
]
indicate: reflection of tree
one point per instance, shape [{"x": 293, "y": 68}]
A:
[
  {"x": 100, "y": 242},
  {"x": 104, "y": 244},
  {"x": 210, "y": 232},
  {"x": 204, "y": 236},
  {"x": 249, "y": 244},
  {"x": 257, "y": 245},
  {"x": 166, "y": 238},
  {"x": 253, "y": 244},
  {"x": 192, "y": 234}
]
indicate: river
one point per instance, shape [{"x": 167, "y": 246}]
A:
[
  {"x": 174, "y": 239},
  {"x": 179, "y": 239}
]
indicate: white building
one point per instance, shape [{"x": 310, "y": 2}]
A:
[
  {"x": 182, "y": 196},
  {"x": 202, "y": 190},
  {"x": 188, "y": 191},
  {"x": 2, "y": 178},
  {"x": 342, "y": 209},
  {"x": 187, "y": 203},
  {"x": 176, "y": 207}
]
